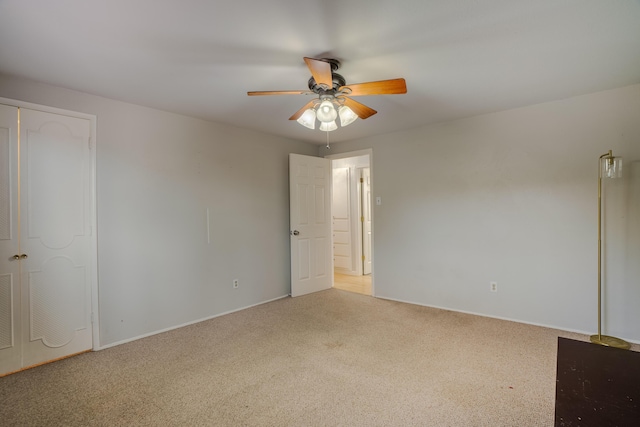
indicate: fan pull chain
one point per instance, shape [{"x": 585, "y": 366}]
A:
[{"x": 328, "y": 147}]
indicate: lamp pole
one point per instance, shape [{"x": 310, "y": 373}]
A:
[{"x": 600, "y": 339}]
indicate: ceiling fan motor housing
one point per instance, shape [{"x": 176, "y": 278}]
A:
[
  {"x": 337, "y": 79},
  {"x": 338, "y": 82}
]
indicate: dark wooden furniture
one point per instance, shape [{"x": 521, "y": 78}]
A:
[{"x": 596, "y": 386}]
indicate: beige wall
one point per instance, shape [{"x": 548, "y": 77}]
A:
[
  {"x": 507, "y": 197},
  {"x": 157, "y": 174},
  {"x": 512, "y": 197}
]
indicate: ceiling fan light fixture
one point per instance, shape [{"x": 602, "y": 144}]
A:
[
  {"x": 326, "y": 112},
  {"x": 334, "y": 96},
  {"x": 308, "y": 119},
  {"x": 328, "y": 126},
  {"x": 347, "y": 116}
]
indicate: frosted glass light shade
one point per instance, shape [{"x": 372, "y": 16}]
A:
[
  {"x": 308, "y": 119},
  {"x": 328, "y": 126},
  {"x": 611, "y": 167},
  {"x": 347, "y": 116},
  {"x": 326, "y": 112}
]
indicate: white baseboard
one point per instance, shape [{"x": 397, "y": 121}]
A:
[
  {"x": 185, "y": 324},
  {"x": 542, "y": 325},
  {"x": 376, "y": 296}
]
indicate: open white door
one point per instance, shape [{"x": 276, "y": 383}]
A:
[{"x": 310, "y": 224}]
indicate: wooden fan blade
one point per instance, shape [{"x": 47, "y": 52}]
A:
[
  {"x": 382, "y": 87},
  {"x": 298, "y": 113},
  {"x": 279, "y": 92},
  {"x": 361, "y": 110},
  {"x": 320, "y": 70}
]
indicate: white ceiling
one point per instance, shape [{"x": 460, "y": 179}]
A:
[{"x": 200, "y": 57}]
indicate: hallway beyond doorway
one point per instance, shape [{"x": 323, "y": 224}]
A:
[{"x": 357, "y": 284}]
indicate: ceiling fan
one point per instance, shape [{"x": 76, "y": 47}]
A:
[{"x": 334, "y": 96}]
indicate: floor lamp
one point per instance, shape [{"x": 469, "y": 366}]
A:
[{"x": 608, "y": 167}]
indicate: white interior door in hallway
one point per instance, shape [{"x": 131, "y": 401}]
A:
[
  {"x": 310, "y": 224},
  {"x": 365, "y": 203},
  {"x": 344, "y": 252},
  {"x": 47, "y": 250}
]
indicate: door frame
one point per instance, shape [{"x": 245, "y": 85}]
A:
[
  {"x": 95, "y": 317},
  {"x": 361, "y": 207},
  {"x": 364, "y": 152}
]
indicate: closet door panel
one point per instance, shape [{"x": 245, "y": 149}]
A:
[
  {"x": 10, "y": 332},
  {"x": 55, "y": 201},
  {"x": 55, "y": 174}
]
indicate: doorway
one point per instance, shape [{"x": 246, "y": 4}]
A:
[{"x": 352, "y": 221}]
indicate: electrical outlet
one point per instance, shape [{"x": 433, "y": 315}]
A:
[
  {"x": 235, "y": 283},
  {"x": 493, "y": 286}
]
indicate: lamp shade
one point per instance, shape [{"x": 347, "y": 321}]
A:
[
  {"x": 611, "y": 167},
  {"x": 328, "y": 126},
  {"x": 347, "y": 116},
  {"x": 326, "y": 112},
  {"x": 308, "y": 119}
]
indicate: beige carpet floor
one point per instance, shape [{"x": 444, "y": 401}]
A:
[{"x": 333, "y": 358}]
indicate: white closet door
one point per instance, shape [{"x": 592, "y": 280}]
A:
[
  {"x": 56, "y": 209},
  {"x": 10, "y": 332}
]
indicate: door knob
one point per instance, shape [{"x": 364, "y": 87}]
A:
[
  {"x": 23, "y": 256},
  {"x": 16, "y": 257},
  {"x": 295, "y": 232}
]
